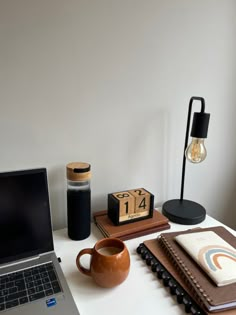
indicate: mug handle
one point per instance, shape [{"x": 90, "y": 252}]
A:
[{"x": 82, "y": 269}]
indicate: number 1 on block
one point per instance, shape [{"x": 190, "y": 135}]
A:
[{"x": 126, "y": 202}]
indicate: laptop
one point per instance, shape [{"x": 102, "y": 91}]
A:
[{"x": 31, "y": 278}]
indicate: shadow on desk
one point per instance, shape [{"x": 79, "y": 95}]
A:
[
  {"x": 96, "y": 232},
  {"x": 85, "y": 286}
]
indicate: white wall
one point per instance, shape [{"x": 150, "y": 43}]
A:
[{"x": 109, "y": 82}]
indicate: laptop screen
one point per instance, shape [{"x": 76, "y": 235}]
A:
[{"x": 25, "y": 221}]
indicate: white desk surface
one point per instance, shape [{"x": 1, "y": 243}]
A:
[{"x": 141, "y": 293}]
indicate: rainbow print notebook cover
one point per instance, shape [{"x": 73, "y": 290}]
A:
[{"x": 214, "y": 255}]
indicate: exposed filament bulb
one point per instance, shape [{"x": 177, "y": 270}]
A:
[{"x": 196, "y": 151}]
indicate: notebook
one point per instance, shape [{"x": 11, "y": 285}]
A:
[
  {"x": 154, "y": 255},
  {"x": 214, "y": 298},
  {"x": 213, "y": 254},
  {"x": 31, "y": 279},
  {"x": 130, "y": 230}
]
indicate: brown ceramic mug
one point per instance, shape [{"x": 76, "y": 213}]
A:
[{"x": 109, "y": 264}]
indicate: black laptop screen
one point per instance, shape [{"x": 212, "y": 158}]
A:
[{"x": 25, "y": 223}]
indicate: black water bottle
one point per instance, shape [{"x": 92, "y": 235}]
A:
[{"x": 78, "y": 200}]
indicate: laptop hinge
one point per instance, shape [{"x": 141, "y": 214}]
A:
[
  {"x": 20, "y": 261},
  {"x": 25, "y": 260}
]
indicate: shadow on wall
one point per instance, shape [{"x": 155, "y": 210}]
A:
[
  {"x": 136, "y": 157},
  {"x": 57, "y": 193},
  {"x": 229, "y": 215}
]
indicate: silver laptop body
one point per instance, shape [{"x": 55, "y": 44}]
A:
[{"x": 31, "y": 279}]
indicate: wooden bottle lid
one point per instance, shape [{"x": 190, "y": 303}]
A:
[{"x": 78, "y": 171}]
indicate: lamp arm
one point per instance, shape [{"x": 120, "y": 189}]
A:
[{"x": 186, "y": 137}]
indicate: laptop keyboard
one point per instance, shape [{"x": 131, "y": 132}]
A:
[{"x": 28, "y": 285}]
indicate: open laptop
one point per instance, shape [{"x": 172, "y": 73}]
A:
[{"x": 31, "y": 279}]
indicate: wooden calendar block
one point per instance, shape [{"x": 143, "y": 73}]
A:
[
  {"x": 131, "y": 205},
  {"x": 126, "y": 202},
  {"x": 142, "y": 199}
]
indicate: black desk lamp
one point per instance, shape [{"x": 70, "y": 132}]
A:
[{"x": 181, "y": 210}]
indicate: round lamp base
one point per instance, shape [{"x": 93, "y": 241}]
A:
[{"x": 184, "y": 211}]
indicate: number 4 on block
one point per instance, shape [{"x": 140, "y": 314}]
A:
[{"x": 142, "y": 199}]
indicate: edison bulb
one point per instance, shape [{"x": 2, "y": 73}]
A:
[{"x": 196, "y": 151}]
